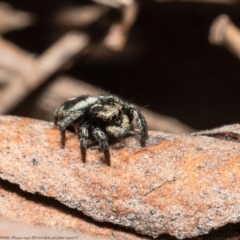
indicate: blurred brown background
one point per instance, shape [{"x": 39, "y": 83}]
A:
[{"x": 167, "y": 63}]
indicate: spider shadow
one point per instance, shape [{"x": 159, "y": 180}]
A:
[{"x": 113, "y": 142}]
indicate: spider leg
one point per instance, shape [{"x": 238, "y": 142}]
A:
[
  {"x": 64, "y": 123},
  {"x": 55, "y": 120},
  {"x": 141, "y": 122},
  {"x": 83, "y": 135},
  {"x": 56, "y": 116},
  {"x": 119, "y": 129},
  {"x": 101, "y": 137},
  {"x": 59, "y": 114}
]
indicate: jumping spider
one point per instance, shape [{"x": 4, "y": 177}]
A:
[{"x": 97, "y": 118}]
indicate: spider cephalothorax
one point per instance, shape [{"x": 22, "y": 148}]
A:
[{"x": 97, "y": 118}]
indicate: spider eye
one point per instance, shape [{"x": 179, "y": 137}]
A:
[{"x": 106, "y": 99}]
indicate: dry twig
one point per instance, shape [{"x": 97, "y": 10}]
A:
[
  {"x": 79, "y": 16},
  {"x": 12, "y": 19},
  {"x": 118, "y": 32},
  {"x": 32, "y": 72},
  {"x": 224, "y": 33}
]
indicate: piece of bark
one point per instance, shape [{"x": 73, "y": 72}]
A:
[
  {"x": 228, "y": 132},
  {"x": 181, "y": 185},
  {"x": 22, "y": 207}
]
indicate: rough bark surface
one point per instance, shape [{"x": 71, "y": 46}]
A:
[
  {"x": 35, "y": 210},
  {"x": 181, "y": 185}
]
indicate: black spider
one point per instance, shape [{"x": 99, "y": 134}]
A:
[{"x": 97, "y": 118}]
